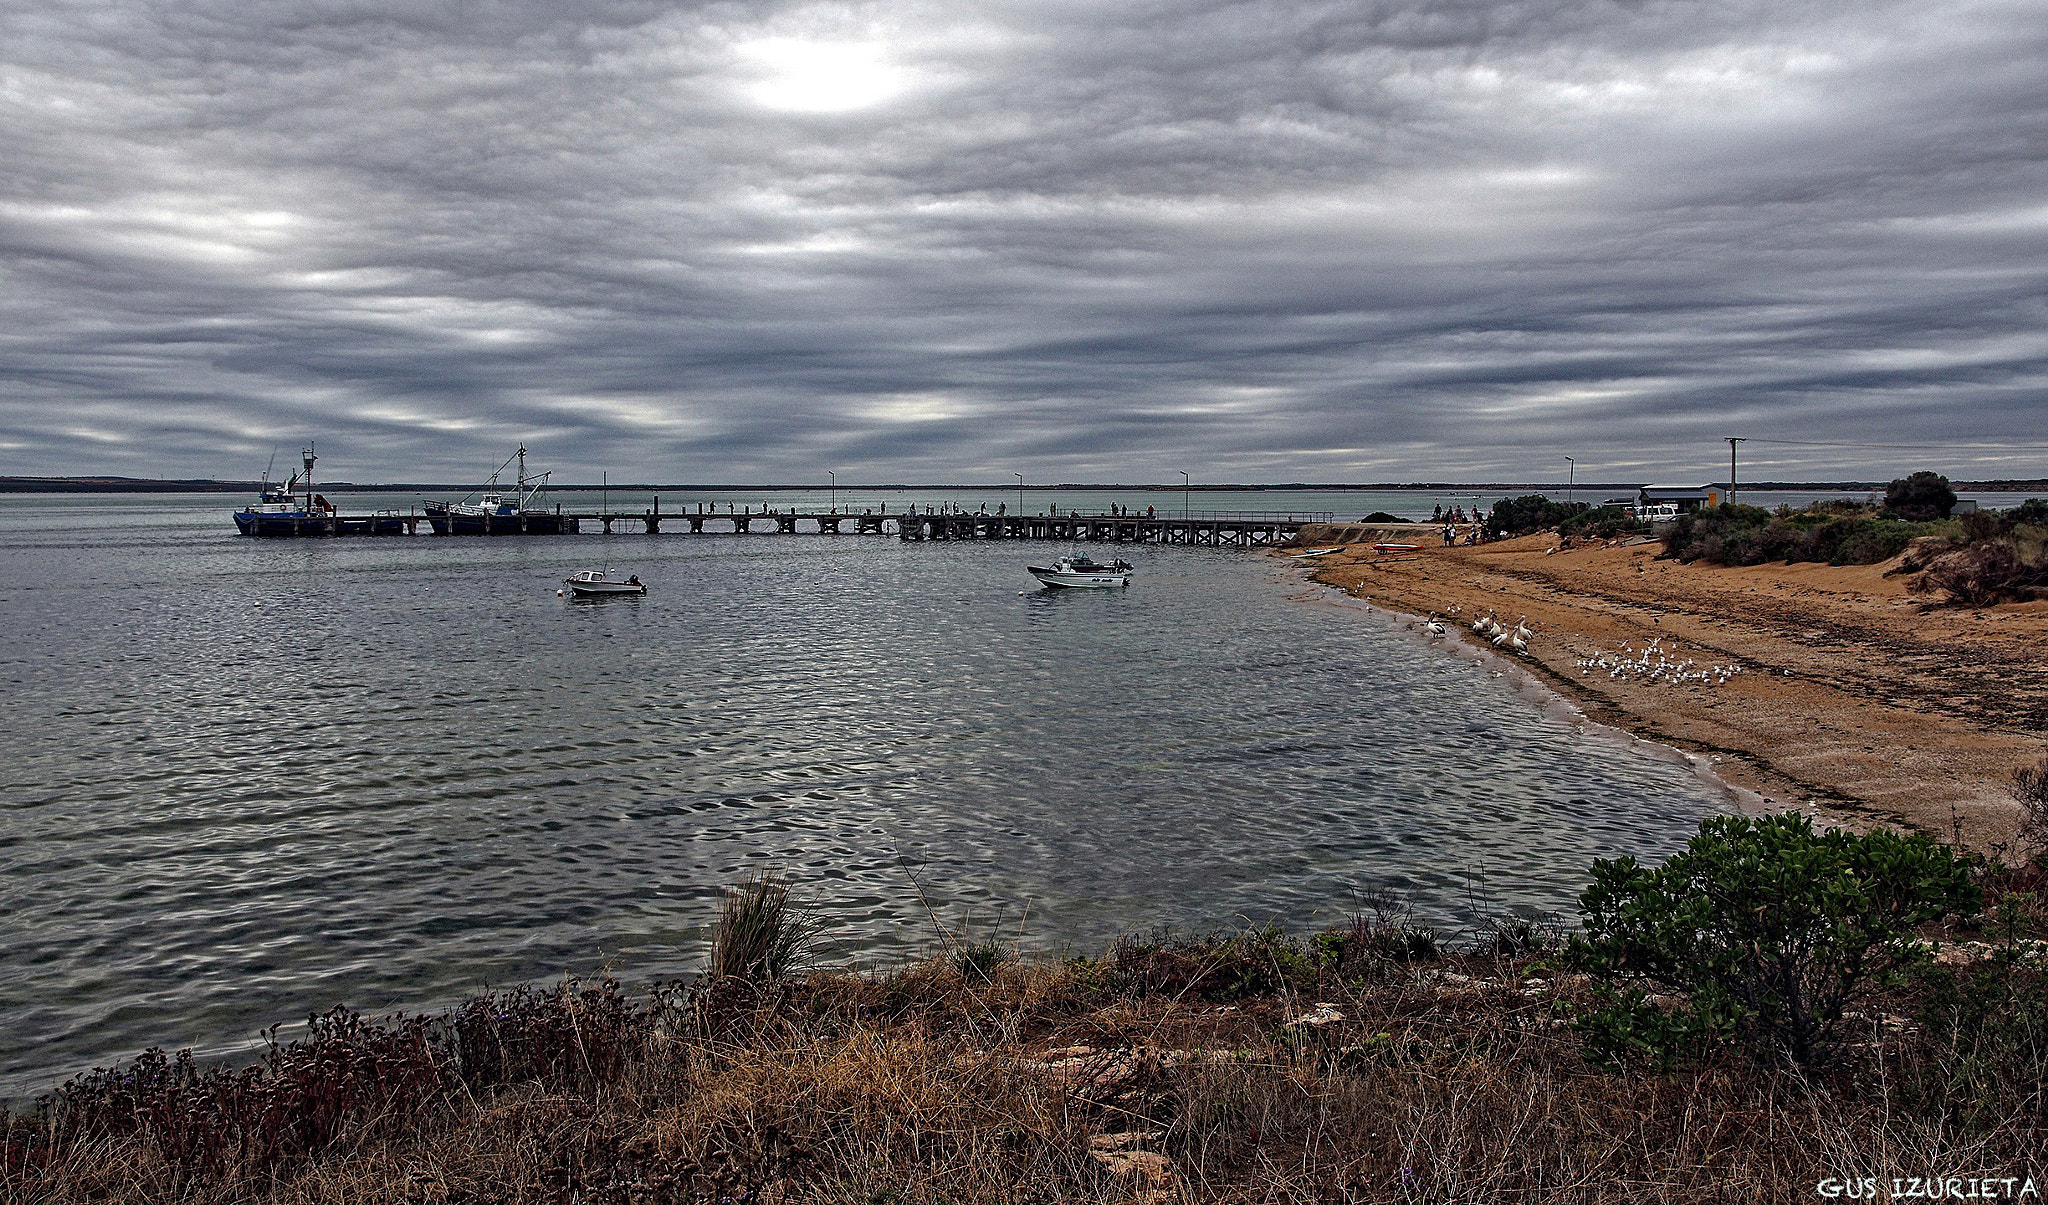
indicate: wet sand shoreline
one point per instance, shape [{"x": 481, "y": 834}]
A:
[{"x": 1855, "y": 702}]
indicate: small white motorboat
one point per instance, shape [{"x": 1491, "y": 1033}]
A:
[
  {"x": 1082, "y": 572},
  {"x": 590, "y": 582}
]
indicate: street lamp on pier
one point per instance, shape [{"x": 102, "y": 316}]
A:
[
  {"x": 1020, "y": 495},
  {"x": 835, "y": 490},
  {"x": 1187, "y": 496}
]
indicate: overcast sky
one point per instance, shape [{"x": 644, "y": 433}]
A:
[{"x": 1085, "y": 241}]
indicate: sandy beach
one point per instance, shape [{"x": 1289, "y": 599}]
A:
[{"x": 1855, "y": 701}]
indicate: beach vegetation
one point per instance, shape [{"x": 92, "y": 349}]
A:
[
  {"x": 2029, "y": 786},
  {"x": 1761, "y": 930},
  {"x": 1985, "y": 558},
  {"x": 1920, "y": 497},
  {"x": 1380, "y": 516},
  {"x": 1247, "y": 1064},
  {"x": 1529, "y": 513},
  {"x": 1601, "y": 523},
  {"x": 1833, "y": 533},
  {"x": 763, "y": 933}
]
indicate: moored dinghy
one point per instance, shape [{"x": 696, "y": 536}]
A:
[{"x": 590, "y": 583}]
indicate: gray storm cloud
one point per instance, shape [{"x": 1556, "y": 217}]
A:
[{"x": 1262, "y": 241}]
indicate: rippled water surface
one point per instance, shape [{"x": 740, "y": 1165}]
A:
[{"x": 252, "y": 779}]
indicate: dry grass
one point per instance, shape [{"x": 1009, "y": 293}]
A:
[{"x": 1251, "y": 1068}]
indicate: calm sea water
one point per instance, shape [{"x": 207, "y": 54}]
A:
[{"x": 252, "y": 779}]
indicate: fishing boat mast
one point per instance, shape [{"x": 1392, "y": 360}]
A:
[{"x": 309, "y": 458}]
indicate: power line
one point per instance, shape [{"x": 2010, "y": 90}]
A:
[{"x": 1907, "y": 445}]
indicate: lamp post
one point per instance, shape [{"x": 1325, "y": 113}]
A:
[
  {"x": 1020, "y": 495},
  {"x": 1732, "y": 441},
  {"x": 1187, "y": 497},
  {"x": 1571, "y": 472},
  {"x": 835, "y": 490}
]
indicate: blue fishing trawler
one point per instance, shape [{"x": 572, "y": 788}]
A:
[
  {"x": 293, "y": 509},
  {"x": 499, "y": 512}
]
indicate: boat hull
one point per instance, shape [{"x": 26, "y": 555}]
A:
[
  {"x": 526, "y": 523},
  {"x": 602, "y": 589},
  {"x": 273, "y": 525},
  {"x": 1080, "y": 579}
]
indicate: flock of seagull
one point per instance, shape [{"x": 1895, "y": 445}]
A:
[
  {"x": 1653, "y": 664},
  {"x": 1650, "y": 664}
]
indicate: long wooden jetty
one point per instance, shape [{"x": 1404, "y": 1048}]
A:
[
  {"x": 1244, "y": 529},
  {"x": 1221, "y": 529}
]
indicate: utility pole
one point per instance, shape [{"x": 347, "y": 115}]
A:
[{"x": 1732, "y": 441}]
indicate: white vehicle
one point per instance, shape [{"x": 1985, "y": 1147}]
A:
[
  {"x": 590, "y": 582},
  {"x": 1082, "y": 572}
]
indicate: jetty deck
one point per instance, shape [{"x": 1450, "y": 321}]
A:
[{"x": 1221, "y": 529}]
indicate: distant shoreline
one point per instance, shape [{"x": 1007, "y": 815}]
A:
[{"x": 142, "y": 485}]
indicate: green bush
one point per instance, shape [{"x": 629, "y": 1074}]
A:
[
  {"x": 1761, "y": 929},
  {"x": 1751, "y": 535},
  {"x": 1920, "y": 497},
  {"x": 1530, "y": 512},
  {"x": 1602, "y": 523}
]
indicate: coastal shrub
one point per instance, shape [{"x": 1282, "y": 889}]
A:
[
  {"x": 1986, "y": 558},
  {"x": 1985, "y": 1032},
  {"x": 1217, "y": 967},
  {"x": 1530, "y": 512},
  {"x": 1517, "y": 936},
  {"x": 2030, "y": 790},
  {"x": 1602, "y": 523},
  {"x": 762, "y": 933},
  {"x": 346, "y": 1081},
  {"x": 1380, "y": 516},
  {"x": 1829, "y": 533},
  {"x": 574, "y": 1035},
  {"x": 1920, "y": 497},
  {"x": 1760, "y": 929}
]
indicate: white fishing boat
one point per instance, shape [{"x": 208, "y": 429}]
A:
[
  {"x": 500, "y": 511},
  {"x": 592, "y": 582},
  {"x": 1082, "y": 572}
]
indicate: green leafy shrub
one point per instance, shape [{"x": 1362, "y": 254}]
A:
[
  {"x": 1530, "y": 512},
  {"x": 1760, "y": 929},
  {"x": 1602, "y": 523},
  {"x": 1830, "y": 533},
  {"x": 1920, "y": 497}
]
